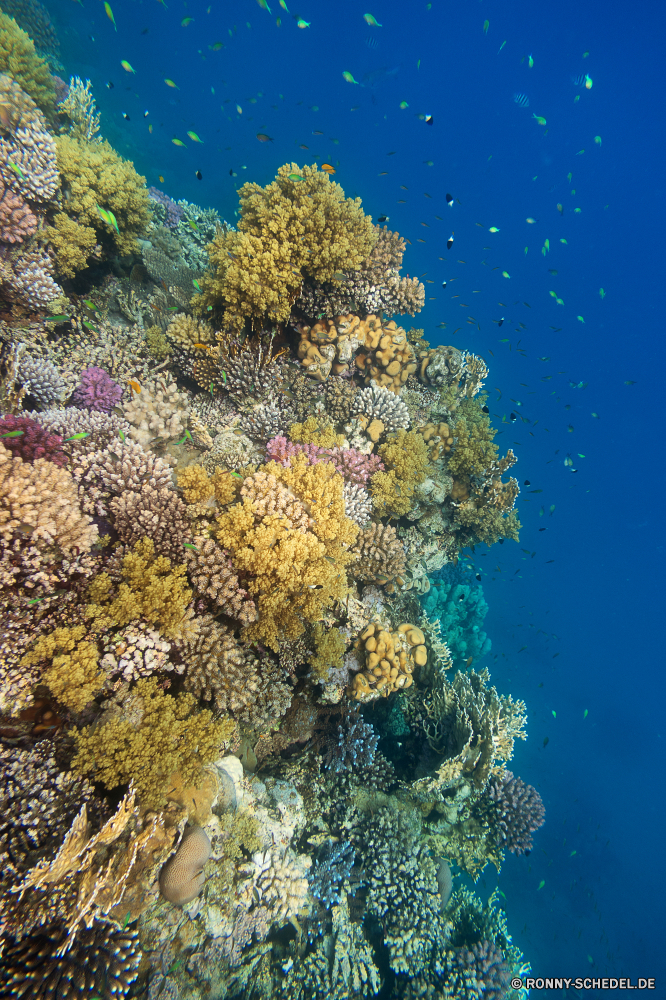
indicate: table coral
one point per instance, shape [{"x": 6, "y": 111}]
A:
[
  {"x": 285, "y": 230},
  {"x": 165, "y": 735}
]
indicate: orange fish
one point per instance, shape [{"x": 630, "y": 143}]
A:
[
  {"x": 134, "y": 385},
  {"x": 328, "y": 168},
  {"x": 203, "y": 347}
]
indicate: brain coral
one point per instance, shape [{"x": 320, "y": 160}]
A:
[
  {"x": 182, "y": 878},
  {"x": 286, "y": 230}
]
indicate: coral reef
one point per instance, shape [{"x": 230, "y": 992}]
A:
[
  {"x": 513, "y": 810},
  {"x": 285, "y": 230},
  {"x": 19, "y": 60},
  {"x": 96, "y": 390}
]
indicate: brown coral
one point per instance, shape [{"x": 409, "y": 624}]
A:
[
  {"x": 212, "y": 574},
  {"x": 390, "y": 659},
  {"x": 158, "y": 514},
  {"x": 380, "y": 555},
  {"x": 17, "y": 221}
]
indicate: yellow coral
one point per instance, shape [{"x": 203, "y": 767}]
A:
[
  {"x": 20, "y": 61},
  {"x": 225, "y": 485},
  {"x": 94, "y": 176},
  {"x": 294, "y": 572},
  {"x": 73, "y": 244},
  {"x": 157, "y": 343},
  {"x": 286, "y": 230},
  {"x": 150, "y": 589},
  {"x": 389, "y": 497},
  {"x": 188, "y": 331},
  {"x": 314, "y": 431},
  {"x": 193, "y": 480},
  {"x": 390, "y": 659},
  {"x": 153, "y": 737},
  {"x": 330, "y": 648},
  {"x": 73, "y": 677},
  {"x": 406, "y": 458}
]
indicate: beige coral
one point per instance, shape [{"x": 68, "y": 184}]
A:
[
  {"x": 212, "y": 574},
  {"x": 182, "y": 878},
  {"x": 41, "y": 499},
  {"x": 381, "y": 556},
  {"x": 158, "y": 411},
  {"x": 390, "y": 660}
]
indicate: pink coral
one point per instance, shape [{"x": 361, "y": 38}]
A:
[
  {"x": 353, "y": 465},
  {"x": 17, "y": 222},
  {"x": 28, "y": 440}
]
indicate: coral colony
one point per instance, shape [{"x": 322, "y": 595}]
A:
[{"x": 248, "y": 746}]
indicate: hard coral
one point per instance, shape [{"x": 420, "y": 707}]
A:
[
  {"x": 390, "y": 660},
  {"x": 158, "y": 514},
  {"x": 286, "y": 230},
  {"x": 514, "y": 811},
  {"x": 41, "y": 381},
  {"x": 380, "y": 556},
  {"x": 73, "y": 244},
  {"x": 73, "y": 676},
  {"x": 96, "y": 390},
  {"x": 33, "y": 442},
  {"x": 212, "y": 574},
  {"x": 17, "y": 221},
  {"x": 182, "y": 878}
]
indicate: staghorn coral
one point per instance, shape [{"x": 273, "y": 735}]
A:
[
  {"x": 33, "y": 442},
  {"x": 285, "y": 230},
  {"x": 294, "y": 571},
  {"x": 390, "y": 660},
  {"x": 380, "y": 556},
  {"x": 96, "y": 391},
  {"x": 158, "y": 514},
  {"x": 152, "y": 737},
  {"x": 19, "y": 60},
  {"x": 212, "y": 574},
  {"x": 92, "y": 174},
  {"x": 102, "y": 958},
  {"x": 182, "y": 878}
]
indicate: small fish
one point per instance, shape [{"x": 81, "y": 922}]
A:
[
  {"x": 216, "y": 46},
  {"x": 628, "y": 382},
  {"x": 177, "y": 142},
  {"x": 486, "y": 25},
  {"x": 541, "y": 884},
  {"x": 195, "y": 138},
  {"x": 109, "y": 14},
  {"x": 328, "y": 168},
  {"x": 449, "y": 242},
  {"x": 134, "y": 384},
  {"x": 349, "y": 77},
  {"x": 403, "y": 105},
  {"x": 539, "y": 119},
  {"x": 500, "y": 321},
  {"x": 196, "y": 284},
  {"x": 580, "y": 319},
  {"x": 369, "y": 19},
  {"x": 198, "y": 175},
  {"x": 262, "y": 137},
  {"x": 493, "y": 229},
  {"x": 530, "y": 61},
  {"x": 109, "y": 84},
  {"x": 383, "y": 218},
  {"x": 429, "y": 119},
  {"x": 188, "y": 545},
  {"x": 79, "y": 436},
  {"x": 522, "y": 100},
  {"x": 295, "y": 177},
  {"x": 449, "y": 200},
  {"x": 57, "y": 319},
  {"x": 585, "y": 714},
  {"x": 283, "y": 4},
  {"x": 505, "y": 274},
  {"x": 186, "y": 20},
  {"x": 12, "y": 434},
  {"x": 300, "y": 23},
  {"x": 546, "y": 739},
  {"x": 161, "y": 179},
  {"x": 264, "y": 5},
  {"x": 125, "y": 115},
  {"x": 170, "y": 83}
]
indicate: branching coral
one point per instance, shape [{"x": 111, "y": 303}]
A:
[
  {"x": 295, "y": 569},
  {"x": 96, "y": 390},
  {"x": 73, "y": 244},
  {"x": 154, "y": 736},
  {"x": 513, "y": 810},
  {"x": 79, "y": 106},
  {"x": 212, "y": 574},
  {"x": 158, "y": 514},
  {"x": 286, "y": 230},
  {"x": 73, "y": 676},
  {"x": 381, "y": 556},
  {"x": 33, "y": 442},
  {"x": 158, "y": 411}
]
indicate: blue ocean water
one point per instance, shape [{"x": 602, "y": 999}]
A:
[{"x": 576, "y": 608}]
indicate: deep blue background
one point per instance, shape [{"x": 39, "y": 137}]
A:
[{"x": 588, "y": 605}]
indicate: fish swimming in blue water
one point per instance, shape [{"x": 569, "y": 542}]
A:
[{"x": 522, "y": 100}]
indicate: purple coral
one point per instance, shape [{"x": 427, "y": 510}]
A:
[
  {"x": 96, "y": 391},
  {"x": 517, "y": 811},
  {"x": 33, "y": 441},
  {"x": 353, "y": 465},
  {"x": 174, "y": 212},
  {"x": 483, "y": 965}
]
